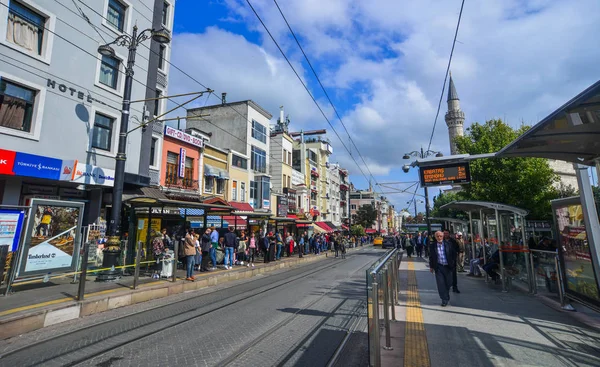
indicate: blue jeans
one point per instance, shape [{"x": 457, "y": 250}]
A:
[
  {"x": 278, "y": 254},
  {"x": 306, "y": 248},
  {"x": 228, "y": 256},
  {"x": 213, "y": 256},
  {"x": 190, "y": 266}
]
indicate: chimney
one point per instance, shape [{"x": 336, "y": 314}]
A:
[
  {"x": 281, "y": 120},
  {"x": 223, "y": 98}
]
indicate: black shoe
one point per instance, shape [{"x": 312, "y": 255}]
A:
[
  {"x": 444, "y": 303},
  {"x": 455, "y": 290}
]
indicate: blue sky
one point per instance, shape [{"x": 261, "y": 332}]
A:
[{"x": 383, "y": 64}]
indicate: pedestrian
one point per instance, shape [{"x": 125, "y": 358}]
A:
[
  {"x": 343, "y": 248},
  {"x": 279, "y": 241},
  {"x": 205, "y": 247},
  {"x": 242, "y": 247},
  {"x": 410, "y": 245},
  {"x": 312, "y": 242},
  {"x": 455, "y": 246},
  {"x": 190, "y": 253},
  {"x": 266, "y": 243},
  {"x": 289, "y": 243},
  {"x": 301, "y": 246},
  {"x": 336, "y": 245},
  {"x": 460, "y": 264},
  {"x": 272, "y": 247},
  {"x": 419, "y": 245},
  {"x": 158, "y": 248},
  {"x": 198, "y": 257},
  {"x": 214, "y": 241},
  {"x": 442, "y": 262},
  {"x": 166, "y": 239},
  {"x": 229, "y": 242},
  {"x": 251, "y": 250}
]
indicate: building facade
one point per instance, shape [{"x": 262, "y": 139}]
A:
[
  {"x": 242, "y": 127},
  {"x": 61, "y": 99}
]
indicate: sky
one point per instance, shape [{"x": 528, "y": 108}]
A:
[{"x": 383, "y": 63}]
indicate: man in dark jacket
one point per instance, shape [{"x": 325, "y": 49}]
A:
[
  {"x": 230, "y": 240},
  {"x": 265, "y": 246},
  {"x": 454, "y": 244},
  {"x": 442, "y": 261},
  {"x": 205, "y": 246}
]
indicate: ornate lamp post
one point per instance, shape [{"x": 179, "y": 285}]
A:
[
  {"x": 113, "y": 249},
  {"x": 422, "y": 155}
]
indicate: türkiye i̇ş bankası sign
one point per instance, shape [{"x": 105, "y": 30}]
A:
[{"x": 448, "y": 174}]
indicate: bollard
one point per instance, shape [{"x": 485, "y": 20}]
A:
[
  {"x": 392, "y": 288},
  {"x": 84, "y": 264},
  {"x": 386, "y": 309},
  {"x": 534, "y": 279},
  {"x": 138, "y": 256},
  {"x": 530, "y": 271},
  {"x": 175, "y": 257}
]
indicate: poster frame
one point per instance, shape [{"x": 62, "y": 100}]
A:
[
  {"x": 35, "y": 203},
  {"x": 557, "y": 204},
  {"x": 17, "y": 239}
]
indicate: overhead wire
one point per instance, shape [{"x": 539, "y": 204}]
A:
[
  {"x": 446, "y": 76},
  {"x": 305, "y": 86}
]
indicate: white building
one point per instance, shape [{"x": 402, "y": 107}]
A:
[{"x": 334, "y": 179}]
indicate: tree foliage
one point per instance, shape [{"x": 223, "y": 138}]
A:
[
  {"x": 357, "y": 230},
  {"x": 523, "y": 182},
  {"x": 444, "y": 198},
  {"x": 365, "y": 216}
]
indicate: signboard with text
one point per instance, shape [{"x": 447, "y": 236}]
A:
[
  {"x": 182, "y": 162},
  {"x": 180, "y": 135},
  {"x": 447, "y": 174}
]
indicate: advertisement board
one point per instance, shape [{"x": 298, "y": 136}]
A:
[
  {"x": 282, "y": 206},
  {"x": 579, "y": 275},
  {"x": 11, "y": 223},
  {"x": 7, "y": 161},
  {"x": 53, "y": 237},
  {"x": 182, "y": 153},
  {"x": 32, "y": 165}
]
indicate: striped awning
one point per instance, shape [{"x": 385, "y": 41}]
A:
[{"x": 190, "y": 212}]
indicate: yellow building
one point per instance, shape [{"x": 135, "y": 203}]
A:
[
  {"x": 239, "y": 177},
  {"x": 215, "y": 177}
]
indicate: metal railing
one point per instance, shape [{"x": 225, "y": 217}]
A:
[
  {"x": 546, "y": 269},
  {"x": 382, "y": 297}
]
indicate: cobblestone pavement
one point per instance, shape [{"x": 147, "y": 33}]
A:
[{"x": 293, "y": 317}]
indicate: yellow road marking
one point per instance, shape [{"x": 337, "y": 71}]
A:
[{"x": 416, "y": 352}]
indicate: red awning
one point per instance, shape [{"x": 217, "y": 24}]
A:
[
  {"x": 235, "y": 220},
  {"x": 383, "y": 231},
  {"x": 344, "y": 227},
  {"x": 243, "y": 207},
  {"x": 292, "y": 216},
  {"x": 370, "y": 230},
  {"x": 324, "y": 226}
]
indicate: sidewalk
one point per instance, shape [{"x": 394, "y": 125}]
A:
[
  {"x": 484, "y": 327},
  {"x": 35, "y": 306}
]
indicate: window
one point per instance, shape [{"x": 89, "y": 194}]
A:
[
  {"x": 259, "y": 132},
  {"x": 312, "y": 156},
  {"x": 220, "y": 186},
  {"x": 284, "y": 181},
  {"x": 157, "y": 103},
  {"x": 285, "y": 157},
  {"x": 290, "y": 158},
  {"x": 296, "y": 160},
  {"x": 234, "y": 190},
  {"x": 153, "y": 152},
  {"x": 239, "y": 162},
  {"x": 172, "y": 168},
  {"x": 188, "y": 180},
  {"x": 25, "y": 27},
  {"x": 161, "y": 57},
  {"x": 116, "y": 14},
  {"x": 165, "y": 13},
  {"x": 109, "y": 71},
  {"x": 102, "y": 133},
  {"x": 289, "y": 181},
  {"x": 16, "y": 106},
  {"x": 253, "y": 189},
  {"x": 353, "y": 207},
  {"x": 266, "y": 188},
  {"x": 209, "y": 183},
  {"x": 242, "y": 191},
  {"x": 258, "y": 160}
]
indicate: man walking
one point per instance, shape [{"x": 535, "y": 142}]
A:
[
  {"x": 455, "y": 246},
  {"x": 190, "y": 254},
  {"x": 230, "y": 240},
  {"x": 442, "y": 262},
  {"x": 214, "y": 241},
  {"x": 419, "y": 245}
]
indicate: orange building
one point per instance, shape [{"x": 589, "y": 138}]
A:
[{"x": 181, "y": 161}]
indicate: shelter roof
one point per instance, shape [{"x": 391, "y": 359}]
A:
[{"x": 485, "y": 206}]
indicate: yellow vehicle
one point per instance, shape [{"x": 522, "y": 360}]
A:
[{"x": 378, "y": 241}]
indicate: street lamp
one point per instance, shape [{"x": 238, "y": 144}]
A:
[
  {"x": 422, "y": 155},
  {"x": 113, "y": 248}
]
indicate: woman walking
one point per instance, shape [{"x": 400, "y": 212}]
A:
[
  {"x": 251, "y": 251},
  {"x": 241, "y": 250}
]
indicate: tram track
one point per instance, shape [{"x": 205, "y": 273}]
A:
[{"x": 127, "y": 329}]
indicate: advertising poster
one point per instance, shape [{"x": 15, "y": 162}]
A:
[
  {"x": 580, "y": 279},
  {"x": 52, "y": 238},
  {"x": 11, "y": 222},
  {"x": 143, "y": 228}
]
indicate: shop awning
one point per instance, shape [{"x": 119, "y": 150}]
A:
[
  {"x": 325, "y": 227},
  {"x": 223, "y": 174},
  {"x": 144, "y": 192},
  {"x": 211, "y": 171},
  {"x": 318, "y": 229},
  {"x": 332, "y": 226},
  {"x": 235, "y": 220},
  {"x": 345, "y": 227},
  {"x": 191, "y": 212},
  {"x": 243, "y": 207},
  {"x": 370, "y": 231}
]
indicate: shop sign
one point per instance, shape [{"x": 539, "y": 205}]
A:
[
  {"x": 182, "y": 162},
  {"x": 73, "y": 193},
  {"x": 39, "y": 190},
  {"x": 180, "y": 135},
  {"x": 37, "y": 166},
  {"x": 53, "y": 237},
  {"x": 7, "y": 162},
  {"x": 282, "y": 206},
  {"x": 266, "y": 204},
  {"x": 78, "y": 172}
]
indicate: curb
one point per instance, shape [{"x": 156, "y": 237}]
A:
[{"x": 28, "y": 321}]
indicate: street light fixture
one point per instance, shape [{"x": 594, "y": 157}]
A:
[
  {"x": 422, "y": 155},
  {"x": 113, "y": 248}
]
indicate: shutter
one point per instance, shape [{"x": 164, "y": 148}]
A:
[
  {"x": 189, "y": 162},
  {"x": 172, "y": 158}
]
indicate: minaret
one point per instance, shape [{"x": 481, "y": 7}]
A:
[{"x": 455, "y": 118}]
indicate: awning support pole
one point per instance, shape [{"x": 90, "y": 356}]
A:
[
  {"x": 499, "y": 240},
  {"x": 471, "y": 235},
  {"x": 590, "y": 215}
]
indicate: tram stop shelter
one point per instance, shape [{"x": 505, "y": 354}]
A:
[
  {"x": 506, "y": 220},
  {"x": 454, "y": 224}
]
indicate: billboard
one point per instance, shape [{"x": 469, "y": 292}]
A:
[
  {"x": 445, "y": 174},
  {"x": 53, "y": 237},
  {"x": 579, "y": 275}
]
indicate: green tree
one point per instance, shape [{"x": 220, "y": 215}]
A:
[
  {"x": 444, "y": 198},
  {"x": 523, "y": 182},
  {"x": 365, "y": 216},
  {"x": 357, "y": 230}
]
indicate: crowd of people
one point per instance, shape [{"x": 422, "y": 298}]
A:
[{"x": 205, "y": 251}]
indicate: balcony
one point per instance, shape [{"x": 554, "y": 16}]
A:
[
  {"x": 161, "y": 79},
  {"x": 174, "y": 182}
]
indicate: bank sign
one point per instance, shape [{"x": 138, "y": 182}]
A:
[
  {"x": 36, "y": 166},
  {"x": 79, "y": 172}
]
